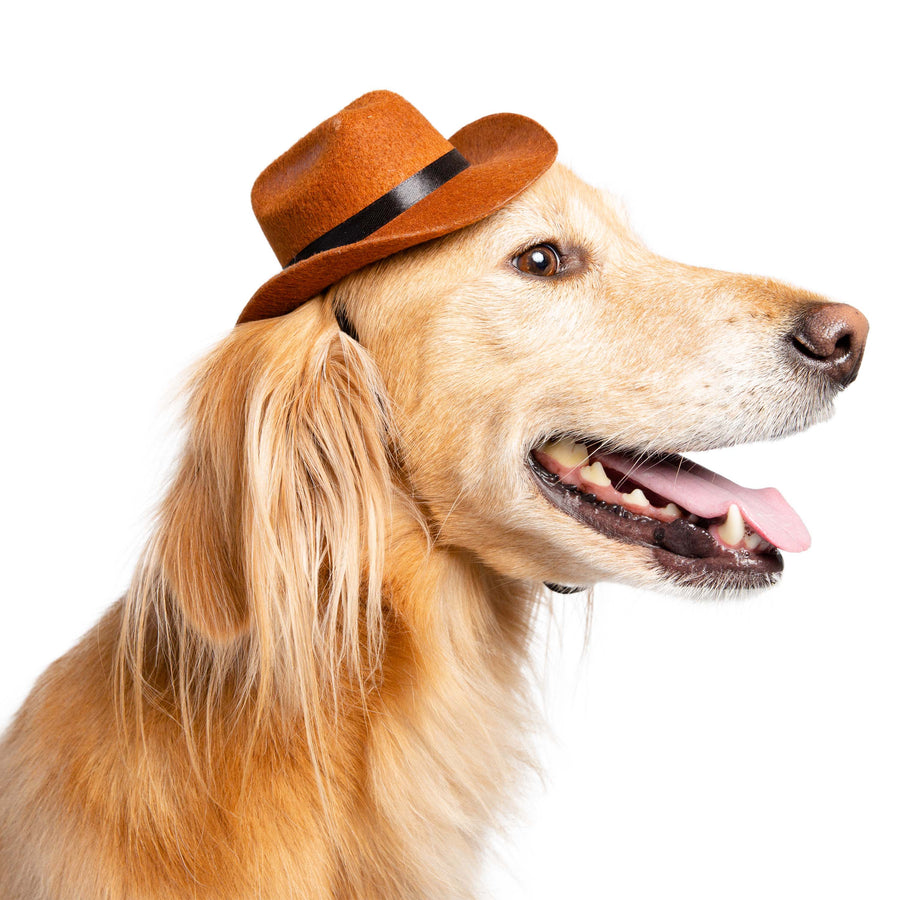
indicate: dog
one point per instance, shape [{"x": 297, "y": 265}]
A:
[{"x": 316, "y": 683}]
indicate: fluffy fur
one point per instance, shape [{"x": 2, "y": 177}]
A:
[{"x": 315, "y": 685}]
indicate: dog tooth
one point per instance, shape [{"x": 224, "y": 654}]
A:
[
  {"x": 567, "y": 453},
  {"x": 732, "y": 530},
  {"x": 672, "y": 510},
  {"x": 636, "y": 497},
  {"x": 752, "y": 540},
  {"x": 595, "y": 474}
]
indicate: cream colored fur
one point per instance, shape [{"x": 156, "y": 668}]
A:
[{"x": 315, "y": 686}]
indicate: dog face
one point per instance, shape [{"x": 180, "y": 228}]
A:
[{"x": 546, "y": 369}]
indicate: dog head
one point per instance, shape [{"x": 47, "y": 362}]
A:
[{"x": 545, "y": 368}]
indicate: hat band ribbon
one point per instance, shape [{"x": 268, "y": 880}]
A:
[{"x": 387, "y": 207}]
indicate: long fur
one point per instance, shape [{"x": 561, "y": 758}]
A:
[{"x": 316, "y": 684}]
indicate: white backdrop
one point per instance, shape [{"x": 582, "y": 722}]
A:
[{"x": 713, "y": 750}]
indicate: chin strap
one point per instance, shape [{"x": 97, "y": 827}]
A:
[
  {"x": 562, "y": 588},
  {"x": 344, "y": 323}
]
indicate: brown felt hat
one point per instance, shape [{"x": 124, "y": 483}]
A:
[{"x": 377, "y": 178}]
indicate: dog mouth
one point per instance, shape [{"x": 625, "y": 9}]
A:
[{"x": 704, "y": 530}]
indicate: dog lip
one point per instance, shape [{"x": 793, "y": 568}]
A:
[
  {"x": 683, "y": 551},
  {"x": 742, "y": 570}
]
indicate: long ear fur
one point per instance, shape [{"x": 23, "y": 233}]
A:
[{"x": 262, "y": 580}]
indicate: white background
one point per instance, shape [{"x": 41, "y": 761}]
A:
[{"x": 721, "y": 750}]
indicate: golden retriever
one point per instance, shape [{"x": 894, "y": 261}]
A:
[{"x": 315, "y": 685}]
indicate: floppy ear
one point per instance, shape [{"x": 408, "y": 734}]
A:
[{"x": 272, "y": 533}]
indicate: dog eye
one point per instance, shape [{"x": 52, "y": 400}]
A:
[{"x": 542, "y": 259}]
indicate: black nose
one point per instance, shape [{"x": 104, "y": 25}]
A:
[{"x": 830, "y": 338}]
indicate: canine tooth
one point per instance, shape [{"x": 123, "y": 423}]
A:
[
  {"x": 636, "y": 497},
  {"x": 595, "y": 474},
  {"x": 567, "y": 453},
  {"x": 732, "y": 530}
]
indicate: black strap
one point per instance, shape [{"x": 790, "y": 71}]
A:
[
  {"x": 345, "y": 324},
  {"x": 387, "y": 207},
  {"x": 563, "y": 588}
]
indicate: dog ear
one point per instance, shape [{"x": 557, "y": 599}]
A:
[{"x": 272, "y": 533}]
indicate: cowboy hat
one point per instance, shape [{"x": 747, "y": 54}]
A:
[{"x": 378, "y": 178}]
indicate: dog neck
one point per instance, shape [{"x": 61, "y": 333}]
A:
[
  {"x": 438, "y": 736},
  {"x": 454, "y": 668}
]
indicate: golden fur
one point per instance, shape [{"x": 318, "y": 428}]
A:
[{"x": 315, "y": 684}]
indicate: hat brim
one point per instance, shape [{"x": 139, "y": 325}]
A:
[{"x": 506, "y": 153}]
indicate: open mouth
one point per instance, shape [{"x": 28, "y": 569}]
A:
[{"x": 704, "y": 529}]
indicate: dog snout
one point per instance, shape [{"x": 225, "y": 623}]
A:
[{"x": 830, "y": 338}]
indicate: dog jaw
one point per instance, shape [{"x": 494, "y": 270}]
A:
[{"x": 485, "y": 363}]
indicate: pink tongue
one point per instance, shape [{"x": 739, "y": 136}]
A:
[{"x": 709, "y": 495}]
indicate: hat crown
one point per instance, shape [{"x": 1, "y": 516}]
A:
[{"x": 340, "y": 167}]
